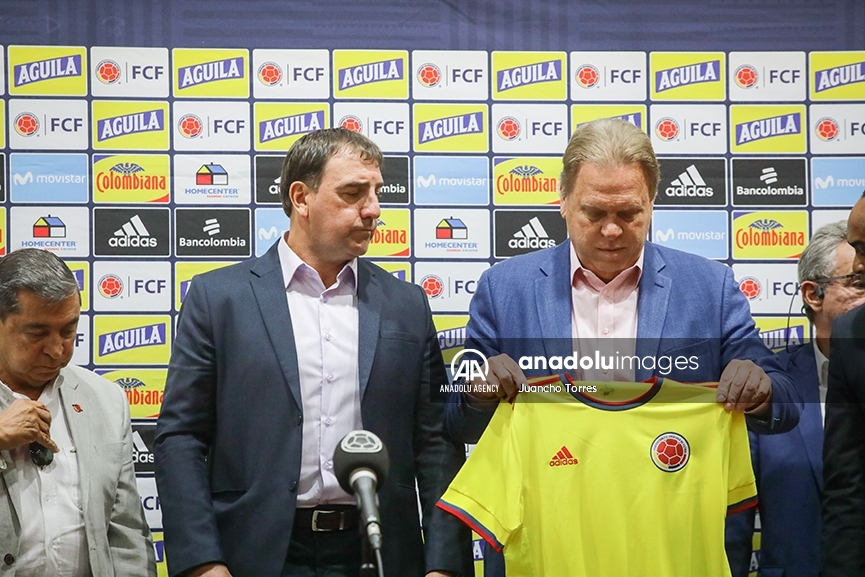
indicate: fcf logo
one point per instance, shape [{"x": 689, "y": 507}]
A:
[{"x": 469, "y": 368}]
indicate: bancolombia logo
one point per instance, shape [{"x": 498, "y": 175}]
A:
[
  {"x": 131, "y": 232},
  {"x": 771, "y": 235},
  {"x": 212, "y": 232}
]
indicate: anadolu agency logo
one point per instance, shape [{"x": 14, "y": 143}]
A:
[{"x": 469, "y": 373}]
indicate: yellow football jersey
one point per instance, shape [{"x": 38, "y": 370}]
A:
[{"x": 632, "y": 480}]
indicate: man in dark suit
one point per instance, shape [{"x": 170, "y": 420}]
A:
[
  {"x": 275, "y": 360},
  {"x": 843, "y": 550},
  {"x": 789, "y": 467}
]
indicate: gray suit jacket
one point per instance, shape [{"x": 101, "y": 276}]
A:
[{"x": 117, "y": 534}]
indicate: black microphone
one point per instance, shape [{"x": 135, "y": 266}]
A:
[{"x": 360, "y": 463}]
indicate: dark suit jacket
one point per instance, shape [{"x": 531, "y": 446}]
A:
[
  {"x": 228, "y": 442},
  {"x": 688, "y": 305},
  {"x": 844, "y": 450},
  {"x": 789, "y": 472}
]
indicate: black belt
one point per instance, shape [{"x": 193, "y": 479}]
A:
[{"x": 333, "y": 518}]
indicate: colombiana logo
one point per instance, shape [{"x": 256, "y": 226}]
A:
[
  {"x": 429, "y": 75},
  {"x": 667, "y": 129},
  {"x": 108, "y": 72},
  {"x": 750, "y": 287},
  {"x": 670, "y": 452},
  {"x": 190, "y": 126},
  {"x": 587, "y": 76},
  {"x": 827, "y": 129},
  {"x": 269, "y": 73},
  {"x": 470, "y": 368},
  {"x": 509, "y": 128},
  {"x": 746, "y": 76},
  {"x": 352, "y": 123},
  {"x": 26, "y": 124}
]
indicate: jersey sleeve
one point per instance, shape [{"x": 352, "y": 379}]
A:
[
  {"x": 741, "y": 486},
  {"x": 486, "y": 494}
]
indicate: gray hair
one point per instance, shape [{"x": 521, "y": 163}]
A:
[
  {"x": 36, "y": 270},
  {"x": 307, "y": 158},
  {"x": 818, "y": 259},
  {"x": 609, "y": 142}
]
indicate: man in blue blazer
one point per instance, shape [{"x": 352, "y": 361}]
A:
[
  {"x": 275, "y": 360},
  {"x": 789, "y": 467},
  {"x": 609, "y": 282}
]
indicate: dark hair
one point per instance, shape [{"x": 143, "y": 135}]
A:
[
  {"x": 35, "y": 270},
  {"x": 307, "y": 158}
]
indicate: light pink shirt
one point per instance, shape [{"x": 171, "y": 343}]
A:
[
  {"x": 325, "y": 325},
  {"x": 604, "y": 317}
]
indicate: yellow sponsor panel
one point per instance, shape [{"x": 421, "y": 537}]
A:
[
  {"x": 133, "y": 178},
  {"x": 764, "y": 128},
  {"x": 130, "y": 125},
  {"x": 450, "y": 128},
  {"x": 183, "y": 274},
  {"x": 392, "y": 235},
  {"x": 779, "y": 332},
  {"x": 451, "y": 333},
  {"x": 688, "y": 76},
  {"x": 81, "y": 270},
  {"x": 47, "y": 70},
  {"x": 159, "y": 548},
  {"x": 210, "y": 73},
  {"x": 131, "y": 339},
  {"x": 3, "y": 231},
  {"x": 837, "y": 75},
  {"x": 144, "y": 389},
  {"x": 529, "y": 76},
  {"x": 525, "y": 180},
  {"x": 379, "y": 74},
  {"x": 765, "y": 234},
  {"x": 400, "y": 270},
  {"x": 633, "y": 113},
  {"x": 2, "y": 127},
  {"x": 278, "y": 124}
]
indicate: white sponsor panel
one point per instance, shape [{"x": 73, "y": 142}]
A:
[
  {"x": 454, "y": 233},
  {"x": 131, "y": 286},
  {"x": 820, "y": 218},
  {"x": 217, "y": 126},
  {"x": 608, "y": 76},
  {"x": 836, "y": 128},
  {"x": 688, "y": 129},
  {"x": 65, "y": 231},
  {"x": 212, "y": 179},
  {"x": 290, "y": 74},
  {"x": 769, "y": 288},
  {"x": 124, "y": 71},
  {"x": 450, "y": 75},
  {"x": 81, "y": 352},
  {"x": 449, "y": 285},
  {"x": 38, "y": 124},
  {"x": 150, "y": 502},
  {"x": 529, "y": 128},
  {"x": 385, "y": 123},
  {"x": 767, "y": 76}
]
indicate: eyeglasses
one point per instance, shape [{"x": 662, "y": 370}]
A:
[
  {"x": 853, "y": 280},
  {"x": 41, "y": 456}
]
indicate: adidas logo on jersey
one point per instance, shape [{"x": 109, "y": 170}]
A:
[
  {"x": 532, "y": 235},
  {"x": 562, "y": 458},
  {"x": 689, "y": 183},
  {"x": 132, "y": 234}
]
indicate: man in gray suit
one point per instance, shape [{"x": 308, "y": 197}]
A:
[{"x": 68, "y": 499}]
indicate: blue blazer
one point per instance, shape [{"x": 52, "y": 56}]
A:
[
  {"x": 789, "y": 472},
  {"x": 688, "y": 306},
  {"x": 228, "y": 440}
]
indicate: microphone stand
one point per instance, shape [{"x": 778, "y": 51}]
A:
[{"x": 371, "y": 565}]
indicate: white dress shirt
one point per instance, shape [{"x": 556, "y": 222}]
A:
[
  {"x": 53, "y": 540},
  {"x": 325, "y": 326},
  {"x": 604, "y": 317},
  {"x": 822, "y": 376}
]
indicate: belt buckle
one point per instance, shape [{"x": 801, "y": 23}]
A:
[{"x": 315, "y": 526}]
